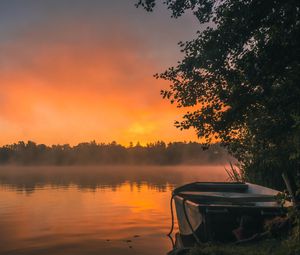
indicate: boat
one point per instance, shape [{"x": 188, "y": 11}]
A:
[{"x": 224, "y": 212}]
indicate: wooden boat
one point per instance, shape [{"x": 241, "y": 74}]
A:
[{"x": 213, "y": 211}]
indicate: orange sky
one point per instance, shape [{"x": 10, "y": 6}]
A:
[{"x": 67, "y": 80}]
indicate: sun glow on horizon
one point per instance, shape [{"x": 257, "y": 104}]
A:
[{"x": 68, "y": 80}]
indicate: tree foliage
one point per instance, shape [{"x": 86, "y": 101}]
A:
[{"x": 240, "y": 76}]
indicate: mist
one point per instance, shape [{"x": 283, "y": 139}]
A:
[{"x": 159, "y": 178}]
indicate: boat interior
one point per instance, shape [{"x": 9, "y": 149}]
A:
[
  {"x": 228, "y": 194},
  {"x": 231, "y": 211}
]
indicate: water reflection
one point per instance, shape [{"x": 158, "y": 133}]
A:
[
  {"x": 113, "y": 177},
  {"x": 90, "y": 210}
]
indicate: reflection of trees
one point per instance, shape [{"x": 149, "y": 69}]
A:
[
  {"x": 92, "y": 153},
  {"x": 27, "y": 179},
  {"x": 159, "y": 178}
]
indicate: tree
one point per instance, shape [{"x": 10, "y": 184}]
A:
[{"x": 240, "y": 78}]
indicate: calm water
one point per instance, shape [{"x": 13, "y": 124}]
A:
[{"x": 91, "y": 210}]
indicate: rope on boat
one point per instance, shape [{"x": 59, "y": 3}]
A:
[
  {"x": 186, "y": 217},
  {"x": 172, "y": 215},
  {"x": 172, "y": 241},
  {"x": 189, "y": 223},
  {"x": 171, "y": 205}
]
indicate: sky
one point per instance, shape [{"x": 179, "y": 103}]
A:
[{"x": 80, "y": 70}]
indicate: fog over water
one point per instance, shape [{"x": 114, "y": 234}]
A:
[
  {"x": 29, "y": 178},
  {"x": 91, "y": 210}
]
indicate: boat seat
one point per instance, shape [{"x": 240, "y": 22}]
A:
[
  {"x": 214, "y": 186},
  {"x": 229, "y": 197}
]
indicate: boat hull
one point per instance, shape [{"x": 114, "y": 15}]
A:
[{"x": 214, "y": 217}]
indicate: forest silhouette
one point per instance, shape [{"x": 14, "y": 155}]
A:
[{"x": 92, "y": 153}]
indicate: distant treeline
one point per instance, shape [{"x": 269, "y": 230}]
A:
[{"x": 93, "y": 153}]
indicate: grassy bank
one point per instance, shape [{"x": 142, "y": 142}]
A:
[
  {"x": 267, "y": 247},
  {"x": 282, "y": 243}
]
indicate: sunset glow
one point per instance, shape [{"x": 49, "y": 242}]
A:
[{"x": 73, "y": 74}]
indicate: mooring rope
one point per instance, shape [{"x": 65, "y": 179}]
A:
[
  {"x": 186, "y": 217},
  {"x": 189, "y": 223},
  {"x": 172, "y": 215}
]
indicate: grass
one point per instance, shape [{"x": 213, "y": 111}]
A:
[
  {"x": 266, "y": 247},
  {"x": 235, "y": 173}
]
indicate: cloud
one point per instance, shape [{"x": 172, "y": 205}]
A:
[{"x": 73, "y": 80}]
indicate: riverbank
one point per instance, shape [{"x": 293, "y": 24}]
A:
[
  {"x": 284, "y": 243},
  {"x": 266, "y": 247}
]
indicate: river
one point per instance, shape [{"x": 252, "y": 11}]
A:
[{"x": 109, "y": 210}]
